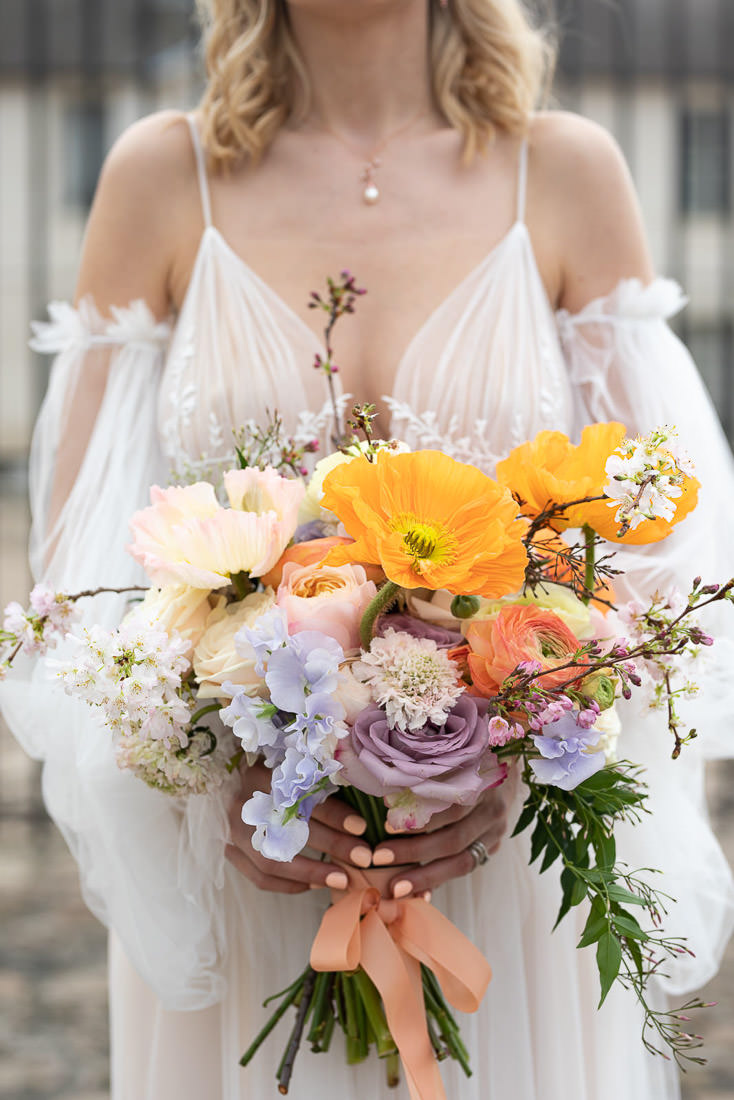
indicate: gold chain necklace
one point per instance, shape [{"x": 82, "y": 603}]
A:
[{"x": 371, "y": 192}]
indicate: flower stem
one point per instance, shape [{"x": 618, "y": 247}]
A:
[
  {"x": 283, "y": 1007},
  {"x": 380, "y": 603},
  {"x": 209, "y": 708},
  {"x": 285, "y": 1070},
  {"x": 590, "y": 547}
]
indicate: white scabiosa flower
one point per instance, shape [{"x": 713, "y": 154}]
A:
[{"x": 414, "y": 680}]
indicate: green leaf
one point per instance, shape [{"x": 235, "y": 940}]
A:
[
  {"x": 568, "y": 880},
  {"x": 579, "y": 892},
  {"x": 624, "y": 897},
  {"x": 526, "y": 818},
  {"x": 605, "y": 849},
  {"x": 626, "y": 925},
  {"x": 538, "y": 840},
  {"x": 551, "y": 855},
  {"x": 609, "y": 960},
  {"x": 596, "y": 925}
]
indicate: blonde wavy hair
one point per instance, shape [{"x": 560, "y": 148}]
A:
[{"x": 491, "y": 64}]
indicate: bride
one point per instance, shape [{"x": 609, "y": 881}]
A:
[{"x": 510, "y": 289}]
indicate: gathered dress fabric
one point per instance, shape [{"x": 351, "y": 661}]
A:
[{"x": 194, "y": 947}]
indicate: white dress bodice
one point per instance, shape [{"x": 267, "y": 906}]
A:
[{"x": 483, "y": 373}]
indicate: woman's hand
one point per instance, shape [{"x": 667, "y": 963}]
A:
[
  {"x": 442, "y": 852},
  {"x": 334, "y": 830}
]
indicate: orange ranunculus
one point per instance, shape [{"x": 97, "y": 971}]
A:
[
  {"x": 551, "y": 469},
  {"x": 312, "y": 552},
  {"x": 430, "y": 522},
  {"x": 519, "y": 632}
]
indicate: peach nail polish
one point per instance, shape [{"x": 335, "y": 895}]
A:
[
  {"x": 382, "y": 857},
  {"x": 402, "y": 889},
  {"x": 354, "y": 824},
  {"x": 337, "y": 880},
  {"x": 427, "y": 895},
  {"x": 361, "y": 856}
]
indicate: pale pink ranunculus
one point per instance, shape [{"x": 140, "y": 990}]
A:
[
  {"x": 261, "y": 491},
  {"x": 328, "y": 598},
  {"x": 186, "y": 537}
]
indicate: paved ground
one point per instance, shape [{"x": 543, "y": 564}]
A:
[{"x": 53, "y": 1038}]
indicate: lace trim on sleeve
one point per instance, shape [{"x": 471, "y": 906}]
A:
[
  {"x": 630, "y": 301},
  {"x": 83, "y": 327}
]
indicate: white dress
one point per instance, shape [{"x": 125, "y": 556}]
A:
[{"x": 194, "y": 947}]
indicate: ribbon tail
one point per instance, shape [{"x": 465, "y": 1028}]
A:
[{"x": 390, "y": 970}]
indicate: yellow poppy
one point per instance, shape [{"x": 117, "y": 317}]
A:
[
  {"x": 552, "y": 470},
  {"x": 430, "y": 522}
]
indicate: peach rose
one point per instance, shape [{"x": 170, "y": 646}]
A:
[
  {"x": 303, "y": 553},
  {"x": 215, "y": 657},
  {"x": 328, "y": 598},
  {"x": 518, "y": 633}
]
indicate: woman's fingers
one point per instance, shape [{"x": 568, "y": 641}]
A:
[
  {"x": 339, "y": 816},
  {"x": 488, "y": 818},
  {"x": 420, "y": 879},
  {"x": 342, "y": 846}
]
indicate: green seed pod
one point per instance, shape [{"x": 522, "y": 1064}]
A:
[
  {"x": 463, "y": 607},
  {"x": 600, "y": 688}
]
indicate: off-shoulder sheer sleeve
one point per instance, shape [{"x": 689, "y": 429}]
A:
[
  {"x": 627, "y": 364},
  {"x": 150, "y": 866}
]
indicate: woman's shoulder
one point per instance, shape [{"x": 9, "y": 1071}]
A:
[
  {"x": 144, "y": 202},
  {"x": 575, "y": 148},
  {"x": 582, "y": 191},
  {"x": 153, "y": 155}
]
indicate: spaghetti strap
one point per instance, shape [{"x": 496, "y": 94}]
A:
[
  {"x": 522, "y": 180},
  {"x": 206, "y": 204}
]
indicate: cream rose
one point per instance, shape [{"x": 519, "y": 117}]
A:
[
  {"x": 176, "y": 607},
  {"x": 550, "y": 597},
  {"x": 328, "y": 598},
  {"x": 215, "y": 657},
  {"x": 432, "y": 607}
]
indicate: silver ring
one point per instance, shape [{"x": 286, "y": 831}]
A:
[{"x": 479, "y": 853}]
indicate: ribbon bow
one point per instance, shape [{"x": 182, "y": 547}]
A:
[{"x": 389, "y": 939}]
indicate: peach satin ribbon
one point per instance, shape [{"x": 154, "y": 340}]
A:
[{"x": 389, "y": 939}]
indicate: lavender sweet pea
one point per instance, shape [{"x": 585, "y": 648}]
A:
[
  {"x": 420, "y": 772},
  {"x": 566, "y": 759}
]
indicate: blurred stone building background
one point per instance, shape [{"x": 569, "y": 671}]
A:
[{"x": 73, "y": 74}]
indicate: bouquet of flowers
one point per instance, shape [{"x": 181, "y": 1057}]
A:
[{"x": 401, "y": 632}]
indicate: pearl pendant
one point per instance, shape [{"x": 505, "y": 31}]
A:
[{"x": 371, "y": 194}]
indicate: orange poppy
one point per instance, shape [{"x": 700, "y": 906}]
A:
[
  {"x": 430, "y": 522},
  {"x": 552, "y": 470}
]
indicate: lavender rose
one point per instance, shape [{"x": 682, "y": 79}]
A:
[
  {"x": 418, "y": 628},
  {"x": 421, "y": 772}
]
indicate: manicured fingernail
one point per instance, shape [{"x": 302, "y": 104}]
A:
[
  {"x": 390, "y": 829},
  {"x": 337, "y": 880},
  {"x": 382, "y": 857},
  {"x": 402, "y": 889},
  {"x": 361, "y": 856},
  {"x": 427, "y": 895},
  {"x": 355, "y": 824}
]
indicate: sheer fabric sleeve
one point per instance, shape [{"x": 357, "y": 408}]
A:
[
  {"x": 626, "y": 364},
  {"x": 150, "y": 866}
]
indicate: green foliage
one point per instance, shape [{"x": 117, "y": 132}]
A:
[{"x": 577, "y": 828}]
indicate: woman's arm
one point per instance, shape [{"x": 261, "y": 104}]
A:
[{"x": 128, "y": 254}]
